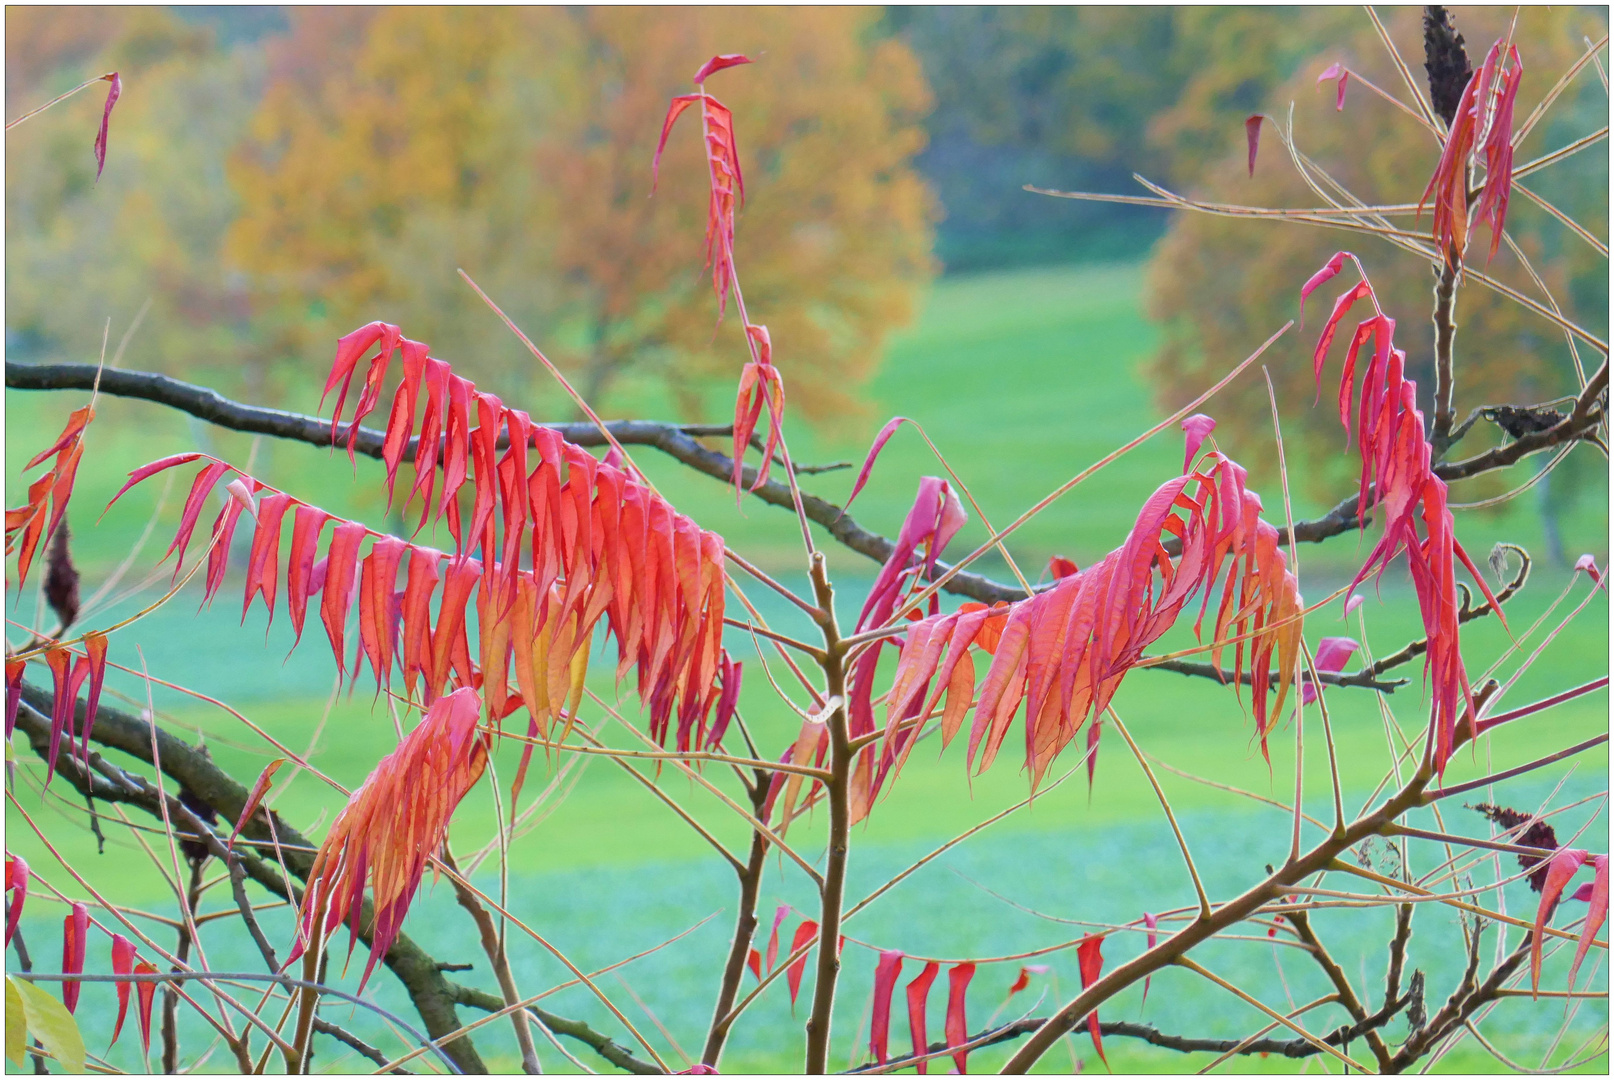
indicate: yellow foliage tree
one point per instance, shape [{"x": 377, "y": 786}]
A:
[
  {"x": 398, "y": 144},
  {"x": 1220, "y": 285}
]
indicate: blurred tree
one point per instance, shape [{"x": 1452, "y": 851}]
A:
[
  {"x": 1222, "y": 285},
  {"x": 78, "y": 251},
  {"x": 397, "y": 144},
  {"x": 1081, "y": 97}
]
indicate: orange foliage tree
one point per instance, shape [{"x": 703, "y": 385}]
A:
[{"x": 519, "y": 154}]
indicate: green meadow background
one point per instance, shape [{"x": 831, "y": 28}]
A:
[{"x": 1022, "y": 379}]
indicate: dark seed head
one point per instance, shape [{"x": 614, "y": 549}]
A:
[
  {"x": 1539, "y": 835},
  {"x": 61, "y": 578},
  {"x": 1445, "y": 60}
]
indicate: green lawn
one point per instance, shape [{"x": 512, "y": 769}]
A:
[{"x": 1022, "y": 379}]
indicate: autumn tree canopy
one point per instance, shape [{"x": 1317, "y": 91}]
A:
[{"x": 521, "y": 153}]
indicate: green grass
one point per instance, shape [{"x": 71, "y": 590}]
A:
[{"x": 1023, "y": 379}]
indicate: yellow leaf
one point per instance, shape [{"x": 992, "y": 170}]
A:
[
  {"x": 16, "y": 1026},
  {"x": 51, "y": 1024}
]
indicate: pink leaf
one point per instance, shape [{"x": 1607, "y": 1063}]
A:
[
  {"x": 885, "y": 981},
  {"x": 112, "y": 95},
  {"x": 14, "y": 670},
  {"x": 1588, "y": 563},
  {"x": 1196, "y": 427},
  {"x": 259, "y": 790},
  {"x": 1329, "y": 271},
  {"x": 1342, "y": 74},
  {"x": 75, "y": 929},
  {"x": 148, "y": 470},
  {"x": 16, "y": 882},
  {"x": 1252, "y": 135},
  {"x": 918, "y": 992},
  {"x": 1559, "y": 871},
  {"x": 718, "y": 63},
  {"x": 145, "y": 992},
  {"x": 880, "y": 440},
  {"x": 773, "y": 937},
  {"x": 958, "y": 1031},
  {"x": 1332, "y": 652},
  {"x": 675, "y": 109},
  {"x": 1152, "y": 922},
  {"x": 1596, "y": 913},
  {"x": 804, "y": 933},
  {"x": 123, "y": 954},
  {"x": 1091, "y": 962}
]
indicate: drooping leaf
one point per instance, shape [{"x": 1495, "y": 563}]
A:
[
  {"x": 1596, "y": 913},
  {"x": 263, "y": 564},
  {"x": 1562, "y": 867},
  {"x": 885, "y": 981},
  {"x": 396, "y": 819},
  {"x": 123, "y": 956},
  {"x": 200, "y": 487},
  {"x": 341, "y": 563},
  {"x": 772, "y": 955},
  {"x": 718, "y": 63},
  {"x": 259, "y": 789},
  {"x": 753, "y": 960},
  {"x": 113, "y": 93},
  {"x": 94, "y": 661},
  {"x": 875, "y": 447},
  {"x": 1091, "y": 962},
  {"x": 14, "y": 671},
  {"x": 958, "y": 1031},
  {"x": 75, "y": 931},
  {"x": 1152, "y": 922},
  {"x": 1341, "y": 75},
  {"x": 918, "y": 993},
  {"x": 307, "y": 523},
  {"x": 1196, "y": 428},
  {"x": 17, "y": 885},
  {"x": 144, "y": 993},
  {"x": 804, "y": 933},
  {"x": 1252, "y": 136},
  {"x": 1332, "y": 652}
]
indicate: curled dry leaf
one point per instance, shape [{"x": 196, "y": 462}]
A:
[{"x": 113, "y": 93}]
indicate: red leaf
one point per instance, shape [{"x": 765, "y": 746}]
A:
[
  {"x": 772, "y": 955},
  {"x": 16, "y": 882},
  {"x": 65, "y": 684},
  {"x": 1152, "y": 922},
  {"x": 341, "y": 560},
  {"x": 880, "y": 440},
  {"x": 1596, "y": 913},
  {"x": 417, "y": 617},
  {"x": 1196, "y": 427},
  {"x": 200, "y": 487},
  {"x": 378, "y": 606},
  {"x": 94, "y": 662},
  {"x": 144, "y": 992},
  {"x": 675, "y": 108},
  {"x": 753, "y": 960},
  {"x": 112, "y": 96},
  {"x": 305, "y": 529},
  {"x": 1061, "y": 567},
  {"x": 1092, "y": 965},
  {"x": 1342, "y": 74},
  {"x": 718, "y": 63},
  {"x": 218, "y": 556},
  {"x": 150, "y": 470},
  {"x": 448, "y": 643},
  {"x": 1332, "y": 652},
  {"x": 77, "y": 421},
  {"x": 75, "y": 930},
  {"x": 958, "y": 1032},
  {"x": 1329, "y": 271},
  {"x": 732, "y": 672},
  {"x": 885, "y": 980},
  {"x": 263, "y": 563},
  {"x": 804, "y": 933},
  {"x": 255, "y": 796},
  {"x": 1252, "y": 136},
  {"x": 123, "y": 954},
  {"x": 918, "y": 991},
  {"x": 1563, "y": 867},
  {"x": 14, "y": 670}
]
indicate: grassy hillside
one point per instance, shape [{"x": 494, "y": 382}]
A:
[{"x": 1022, "y": 379}]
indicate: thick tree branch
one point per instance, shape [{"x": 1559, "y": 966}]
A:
[
  {"x": 601, "y": 1044},
  {"x": 431, "y": 994}
]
